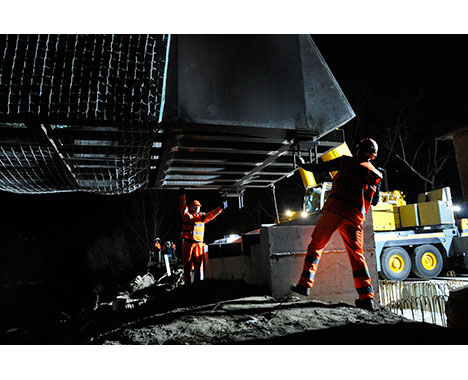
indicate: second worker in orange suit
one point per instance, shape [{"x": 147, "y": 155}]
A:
[
  {"x": 193, "y": 230},
  {"x": 355, "y": 188}
]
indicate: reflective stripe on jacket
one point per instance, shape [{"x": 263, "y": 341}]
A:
[{"x": 193, "y": 225}]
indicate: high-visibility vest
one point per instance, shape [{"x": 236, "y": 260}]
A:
[
  {"x": 353, "y": 189},
  {"x": 193, "y": 225}
]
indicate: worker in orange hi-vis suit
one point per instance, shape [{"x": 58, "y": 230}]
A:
[
  {"x": 355, "y": 188},
  {"x": 193, "y": 230}
]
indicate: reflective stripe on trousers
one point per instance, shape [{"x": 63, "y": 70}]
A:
[{"x": 352, "y": 235}]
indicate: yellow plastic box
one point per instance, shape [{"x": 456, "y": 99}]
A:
[
  {"x": 383, "y": 217},
  {"x": 409, "y": 215},
  {"x": 442, "y": 194},
  {"x": 340, "y": 150},
  {"x": 436, "y": 212},
  {"x": 464, "y": 224},
  {"x": 396, "y": 216},
  {"x": 423, "y": 197}
]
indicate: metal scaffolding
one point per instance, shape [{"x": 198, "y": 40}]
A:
[{"x": 79, "y": 112}]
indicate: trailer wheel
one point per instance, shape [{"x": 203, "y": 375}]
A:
[
  {"x": 396, "y": 263},
  {"x": 427, "y": 261}
]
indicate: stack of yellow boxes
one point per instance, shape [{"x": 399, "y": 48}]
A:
[{"x": 435, "y": 207}]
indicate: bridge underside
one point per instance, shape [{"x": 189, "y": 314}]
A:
[
  {"x": 203, "y": 157},
  {"x": 111, "y": 114}
]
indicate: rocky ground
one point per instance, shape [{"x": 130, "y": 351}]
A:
[{"x": 226, "y": 312}]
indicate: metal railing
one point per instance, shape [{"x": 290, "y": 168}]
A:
[{"x": 422, "y": 301}]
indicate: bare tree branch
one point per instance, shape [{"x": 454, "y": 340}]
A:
[{"x": 413, "y": 169}]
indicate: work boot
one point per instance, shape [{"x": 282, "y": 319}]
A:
[
  {"x": 302, "y": 290},
  {"x": 367, "y": 304}
]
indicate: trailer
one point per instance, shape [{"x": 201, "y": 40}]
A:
[{"x": 422, "y": 251}]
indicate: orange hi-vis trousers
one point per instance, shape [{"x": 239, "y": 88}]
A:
[
  {"x": 353, "y": 238},
  {"x": 192, "y": 259}
]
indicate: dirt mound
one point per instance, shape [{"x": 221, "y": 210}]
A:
[{"x": 231, "y": 312}]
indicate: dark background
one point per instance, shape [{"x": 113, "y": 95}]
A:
[{"x": 85, "y": 244}]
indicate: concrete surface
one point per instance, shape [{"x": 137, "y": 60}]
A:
[{"x": 276, "y": 262}]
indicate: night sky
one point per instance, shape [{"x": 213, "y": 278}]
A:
[{"x": 437, "y": 63}]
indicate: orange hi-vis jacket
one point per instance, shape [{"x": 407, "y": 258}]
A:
[
  {"x": 193, "y": 225},
  {"x": 353, "y": 187}
]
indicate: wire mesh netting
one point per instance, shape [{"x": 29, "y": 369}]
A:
[{"x": 79, "y": 112}]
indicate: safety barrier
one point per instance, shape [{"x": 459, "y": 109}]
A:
[{"x": 422, "y": 301}]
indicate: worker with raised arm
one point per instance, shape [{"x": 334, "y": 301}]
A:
[
  {"x": 193, "y": 230},
  {"x": 355, "y": 188}
]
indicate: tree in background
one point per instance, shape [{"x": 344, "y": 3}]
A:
[{"x": 398, "y": 119}]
